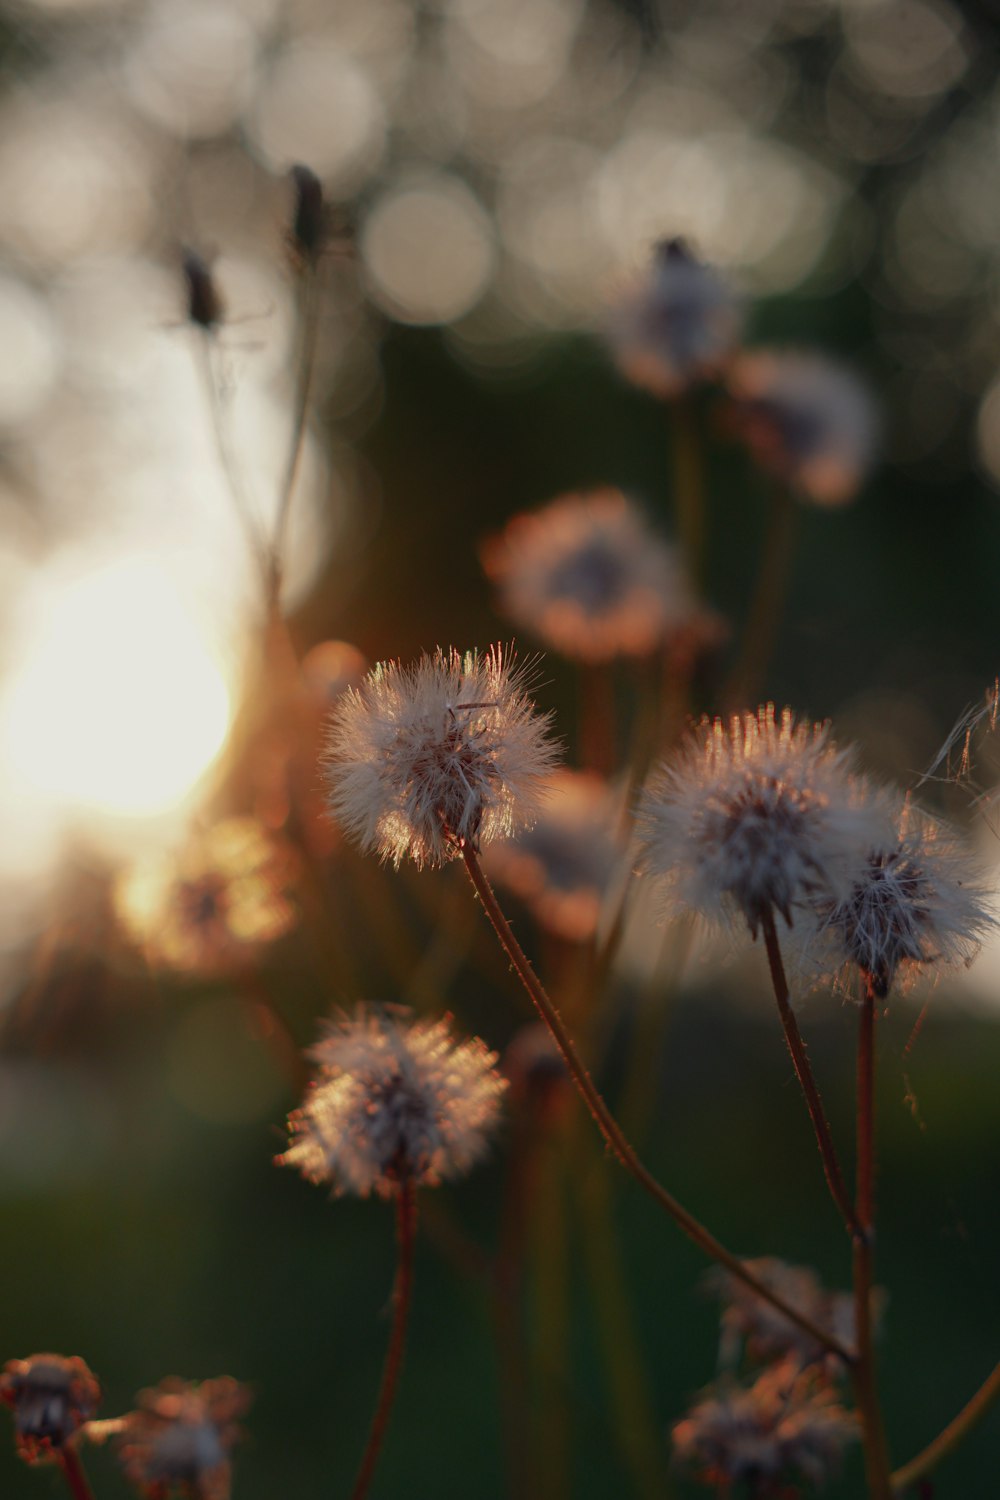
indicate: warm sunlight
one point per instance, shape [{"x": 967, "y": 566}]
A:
[{"x": 118, "y": 705}]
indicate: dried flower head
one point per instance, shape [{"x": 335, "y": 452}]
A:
[
  {"x": 806, "y": 419},
  {"x": 178, "y": 1440},
  {"x": 676, "y": 327},
  {"x": 421, "y": 760},
  {"x": 395, "y": 1099},
  {"x": 757, "y": 815},
  {"x": 748, "y": 1321},
  {"x": 564, "y": 866},
  {"x": 213, "y": 906},
  {"x": 587, "y": 575},
  {"x": 786, "y": 1427},
  {"x": 51, "y": 1396},
  {"x": 918, "y": 901}
]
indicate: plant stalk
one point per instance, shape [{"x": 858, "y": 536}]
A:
[
  {"x": 71, "y": 1466},
  {"x": 958, "y": 1428}
]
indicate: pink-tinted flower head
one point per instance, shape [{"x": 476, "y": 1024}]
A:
[
  {"x": 395, "y": 1099},
  {"x": 178, "y": 1440},
  {"x": 51, "y": 1396},
  {"x": 751, "y": 1323},
  {"x": 677, "y": 326},
  {"x": 421, "y": 760}
]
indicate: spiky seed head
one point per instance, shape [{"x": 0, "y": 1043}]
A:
[
  {"x": 422, "y": 760},
  {"x": 756, "y": 816},
  {"x": 51, "y": 1396},
  {"x": 395, "y": 1100}
]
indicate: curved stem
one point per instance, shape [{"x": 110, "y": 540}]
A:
[
  {"x": 309, "y": 326},
  {"x": 220, "y": 431},
  {"x": 804, "y": 1073},
  {"x": 866, "y": 1390},
  {"x": 608, "y": 1125},
  {"x": 972, "y": 1412},
  {"x": 402, "y": 1295},
  {"x": 69, "y": 1461}
]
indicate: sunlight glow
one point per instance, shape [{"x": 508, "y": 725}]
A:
[{"x": 118, "y": 707}]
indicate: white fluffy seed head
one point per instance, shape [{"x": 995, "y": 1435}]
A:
[
  {"x": 395, "y": 1100},
  {"x": 424, "y": 759},
  {"x": 917, "y": 903},
  {"x": 757, "y": 815}
]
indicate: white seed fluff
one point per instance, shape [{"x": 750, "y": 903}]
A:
[
  {"x": 395, "y": 1099},
  {"x": 757, "y": 815},
  {"x": 421, "y": 760}
]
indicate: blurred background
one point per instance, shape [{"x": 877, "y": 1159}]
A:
[{"x": 498, "y": 171}]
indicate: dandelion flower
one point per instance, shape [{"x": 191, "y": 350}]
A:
[
  {"x": 806, "y": 419},
  {"x": 51, "y": 1397},
  {"x": 587, "y": 575},
  {"x": 748, "y": 1319},
  {"x": 422, "y": 760},
  {"x": 787, "y": 1426},
  {"x": 564, "y": 866},
  {"x": 396, "y": 1100},
  {"x": 917, "y": 902},
  {"x": 677, "y": 326},
  {"x": 755, "y": 816},
  {"x": 178, "y": 1441}
]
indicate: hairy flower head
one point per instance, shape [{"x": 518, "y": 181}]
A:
[
  {"x": 766, "y": 1333},
  {"x": 806, "y": 419},
  {"x": 787, "y": 1426},
  {"x": 589, "y": 576},
  {"x": 675, "y": 327},
  {"x": 757, "y": 815},
  {"x": 917, "y": 902},
  {"x": 51, "y": 1396},
  {"x": 423, "y": 759},
  {"x": 395, "y": 1099},
  {"x": 178, "y": 1440}
]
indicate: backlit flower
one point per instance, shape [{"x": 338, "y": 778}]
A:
[
  {"x": 423, "y": 759},
  {"x": 178, "y": 1440},
  {"x": 787, "y": 1426},
  {"x": 757, "y": 815},
  {"x": 748, "y": 1320},
  {"x": 677, "y": 326},
  {"x": 51, "y": 1397},
  {"x": 589, "y": 576},
  {"x": 806, "y": 419},
  {"x": 564, "y": 866},
  {"x": 395, "y": 1099},
  {"x": 917, "y": 901}
]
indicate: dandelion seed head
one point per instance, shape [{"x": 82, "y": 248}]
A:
[
  {"x": 587, "y": 575},
  {"x": 179, "y": 1439},
  {"x": 424, "y": 759},
  {"x": 787, "y": 1426},
  {"x": 806, "y": 419},
  {"x": 756, "y": 815},
  {"x": 51, "y": 1396},
  {"x": 918, "y": 902},
  {"x": 748, "y": 1320},
  {"x": 395, "y": 1099},
  {"x": 677, "y": 326}
]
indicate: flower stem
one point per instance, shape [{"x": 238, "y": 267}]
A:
[
  {"x": 972, "y": 1412},
  {"x": 767, "y": 604},
  {"x": 309, "y": 311},
  {"x": 608, "y": 1125},
  {"x": 804, "y": 1073},
  {"x": 688, "y": 484},
  {"x": 866, "y": 1391},
  {"x": 71, "y": 1466},
  {"x": 402, "y": 1294}
]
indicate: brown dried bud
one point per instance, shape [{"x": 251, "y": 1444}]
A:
[
  {"x": 52, "y": 1397},
  {"x": 310, "y": 219}
]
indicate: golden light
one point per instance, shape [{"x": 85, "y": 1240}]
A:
[{"x": 119, "y": 705}]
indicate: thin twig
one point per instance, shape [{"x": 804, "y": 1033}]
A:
[
  {"x": 402, "y": 1295},
  {"x": 309, "y": 311},
  {"x": 71, "y": 1466},
  {"x": 804, "y": 1073},
  {"x": 245, "y": 512},
  {"x": 608, "y": 1125},
  {"x": 972, "y": 1413}
]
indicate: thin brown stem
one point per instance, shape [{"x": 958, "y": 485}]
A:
[
  {"x": 309, "y": 310},
  {"x": 865, "y": 1387},
  {"x": 766, "y": 606},
  {"x": 79, "y": 1487},
  {"x": 608, "y": 1125},
  {"x": 688, "y": 484},
  {"x": 947, "y": 1441},
  {"x": 402, "y": 1295},
  {"x": 804, "y": 1073}
]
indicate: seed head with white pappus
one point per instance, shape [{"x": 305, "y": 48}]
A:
[
  {"x": 756, "y": 816},
  {"x": 396, "y": 1100},
  {"x": 424, "y": 759},
  {"x": 918, "y": 901}
]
